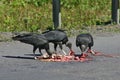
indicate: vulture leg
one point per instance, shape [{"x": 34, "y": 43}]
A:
[
  {"x": 60, "y": 45},
  {"x": 34, "y": 49},
  {"x": 90, "y": 51},
  {"x": 48, "y": 50},
  {"x": 40, "y": 51},
  {"x": 55, "y": 47},
  {"x": 49, "y": 53}
]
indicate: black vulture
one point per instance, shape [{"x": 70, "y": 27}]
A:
[
  {"x": 37, "y": 40},
  {"x": 84, "y": 42},
  {"x": 57, "y": 37}
]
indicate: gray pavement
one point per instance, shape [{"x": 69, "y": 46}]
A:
[{"x": 16, "y": 62}]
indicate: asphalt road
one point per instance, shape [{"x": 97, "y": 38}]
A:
[{"x": 16, "y": 62}]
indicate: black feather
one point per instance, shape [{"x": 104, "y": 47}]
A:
[
  {"x": 37, "y": 40},
  {"x": 84, "y": 39},
  {"x": 56, "y": 37}
]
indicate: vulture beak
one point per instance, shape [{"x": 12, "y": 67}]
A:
[
  {"x": 83, "y": 48},
  {"x": 69, "y": 45}
]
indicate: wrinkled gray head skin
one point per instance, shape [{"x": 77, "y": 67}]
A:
[
  {"x": 69, "y": 45},
  {"x": 83, "y": 48}
]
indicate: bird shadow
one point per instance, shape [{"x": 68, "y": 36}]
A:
[
  {"x": 32, "y": 54},
  {"x": 19, "y": 57},
  {"x": 23, "y": 57}
]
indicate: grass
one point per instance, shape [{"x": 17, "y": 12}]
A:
[{"x": 36, "y": 15}]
